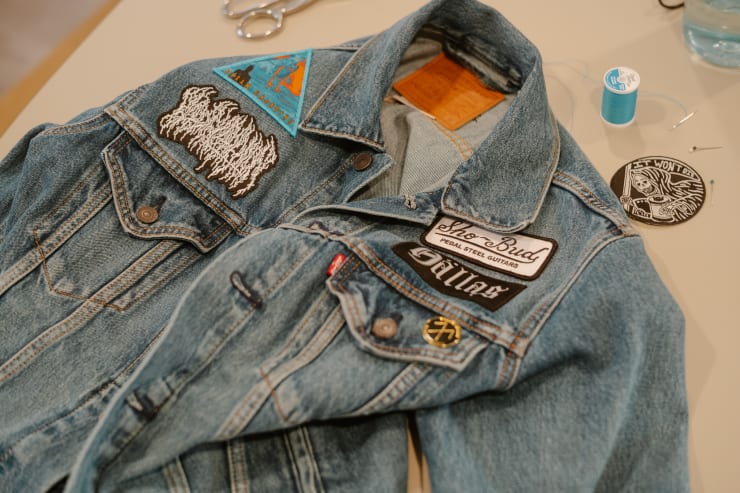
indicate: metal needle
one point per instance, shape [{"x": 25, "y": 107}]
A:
[{"x": 695, "y": 148}]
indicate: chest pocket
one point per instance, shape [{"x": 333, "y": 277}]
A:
[
  {"x": 124, "y": 231},
  {"x": 395, "y": 323}
]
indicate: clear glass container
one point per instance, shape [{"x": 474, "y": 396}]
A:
[{"x": 712, "y": 30}]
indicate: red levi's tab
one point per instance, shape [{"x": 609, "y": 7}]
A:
[{"x": 336, "y": 263}]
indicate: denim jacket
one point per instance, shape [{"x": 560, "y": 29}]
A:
[{"x": 484, "y": 280}]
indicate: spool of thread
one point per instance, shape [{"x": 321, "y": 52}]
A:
[{"x": 619, "y": 99}]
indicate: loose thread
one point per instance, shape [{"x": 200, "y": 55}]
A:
[{"x": 583, "y": 71}]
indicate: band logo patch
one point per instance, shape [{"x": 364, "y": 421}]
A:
[
  {"x": 227, "y": 143},
  {"x": 520, "y": 255},
  {"x": 276, "y": 83},
  {"x": 659, "y": 190},
  {"x": 453, "y": 279}
]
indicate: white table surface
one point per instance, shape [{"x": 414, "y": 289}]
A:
[{"x": 698, "y": 260}]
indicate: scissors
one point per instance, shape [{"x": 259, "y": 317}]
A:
[{"x": 273, "y": 9}]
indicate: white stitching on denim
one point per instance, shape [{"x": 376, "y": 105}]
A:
[
  {"x": 245, "y": 410},
  {"x": 183, "y": 175},
  {"x": 395, "y": 390},
  {"x": 228, "y": 144},
  {"x": 175, "y": 477},
  {"x": 426, "y": 299},
  {"x": 89, "y": 307},
  {"x": 300, "y": 441},
  {"x": 236, "y": 454}
]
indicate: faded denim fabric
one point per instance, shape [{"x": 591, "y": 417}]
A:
[{"x": 220, "y": 353}]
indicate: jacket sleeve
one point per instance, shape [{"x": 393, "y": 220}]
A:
[{"x": 599, "y": 403}]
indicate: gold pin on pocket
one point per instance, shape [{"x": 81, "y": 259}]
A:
[{"x": 442, "y": 332}]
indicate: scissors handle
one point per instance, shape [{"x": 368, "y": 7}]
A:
[
  {"x": 249, "y": 16},
  {"x": 239, "y": 13}
]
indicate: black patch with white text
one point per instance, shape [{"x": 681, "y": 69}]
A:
[
  {"x": 227, "y": 143},
  {"x": 453, "y": 279},
  {"x": 659, "y": 190}
]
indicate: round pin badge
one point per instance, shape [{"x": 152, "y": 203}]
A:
[
  {"x": 441, "y": 332},
  {"x": 659, "y": 190}
]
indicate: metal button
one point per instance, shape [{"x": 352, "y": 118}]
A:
[
  {"x": 385, "y": 328},
  {"x": 442, "y": 332},
  {"x": 362, "y": 161},
  {"x": 147, "y": 214}
]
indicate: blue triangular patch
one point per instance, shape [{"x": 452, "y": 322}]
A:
[{"x": 277, "y": 83}]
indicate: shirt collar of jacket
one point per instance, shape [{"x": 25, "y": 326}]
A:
[{"x": 503, "y": 185}]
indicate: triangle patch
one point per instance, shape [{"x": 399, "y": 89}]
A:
[{"x": 276, "y": 83}]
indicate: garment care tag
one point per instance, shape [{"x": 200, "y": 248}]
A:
[
  {"x": 448, "y": 91},
  {"x": 276, "y": 83},
  {"x": 523, "y": 256}
]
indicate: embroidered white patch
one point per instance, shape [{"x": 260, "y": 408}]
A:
[
  {"x": 227, "y": 143},
  {"x": 521, "y": 255}
]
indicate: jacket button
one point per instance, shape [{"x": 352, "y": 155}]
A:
[
  {"x": 385, "y": 328},
  {"x": 147, "y": 214},
  {"x": 362, "y": 161}
]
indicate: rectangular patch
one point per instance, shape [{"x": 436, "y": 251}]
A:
[
  {"x": 520, "y": 255},
  {"x": 448, "y": 91},
  {"x": 453, "y": 279}
]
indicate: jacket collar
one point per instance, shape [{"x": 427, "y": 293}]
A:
[{"x": 504, "y": 183}]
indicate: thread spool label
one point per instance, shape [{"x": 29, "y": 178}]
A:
[
  {"x": 659, "y": 190},
  {"x": 622, "y": 80}
]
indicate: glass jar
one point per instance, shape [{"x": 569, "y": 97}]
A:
[{"x": 712, "y": 30}]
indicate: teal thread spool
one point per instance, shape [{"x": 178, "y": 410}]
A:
[{"x": 619, "y": 99}]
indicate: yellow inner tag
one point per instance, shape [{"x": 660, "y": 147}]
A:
[{"x": 448, "y": 91}]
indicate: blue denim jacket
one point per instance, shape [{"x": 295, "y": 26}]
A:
[{"x": 188, "y": 296}]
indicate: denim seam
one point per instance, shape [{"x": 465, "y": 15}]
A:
[
  {"x": 60, "y": 234},
  {"x": 70, "y": 225},
  {"x": 399, "y": 386},
  {"x": 552, "y": 165},
  {"x": 51, "y": 336},
  {"x": 186, "y": 178},
  {"x": 330, "y": 90},
  {"x": 22, "y": 358},
  {"x": 273, "y": 394},
  {"x": 184, "y": 263},
  {"x": 456, "y": 140},
  {"x": 505, "y": 377},
  {"x": 311, "y": 456},
  {"x": 236, "y": 456},
  {"x": 335, "y": 83},
  {"x": 461, "y": 352},
  {"x": 434, "y": 303},
  {"x": 175, "y": 477},
  {"x": 539, "y": 317},
  {"x": 89, "y": 176},
  {"x": 283, "y": 355},
  {"x": 93, "y": 397},
  {"x": 20, "y": 269},
  {"x": 206, "y": 361},
  {"x": 293, "y": 462},
  {"x": 129, "y": 274},
  {"x": 314, "y": 192},
  {"x": 120, "y": 187},
  {"x": 578, "y": 188},
  {"x": 299, "y": 438},
  {"x": 243, "y": 412},
  {"x": 78, "y": 127},
  {"x": 9, "y": 451}
]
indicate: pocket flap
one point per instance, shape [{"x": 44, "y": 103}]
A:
[
  {"x": 152, "y": 204},
  {"x": 386, "y": 323}
]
